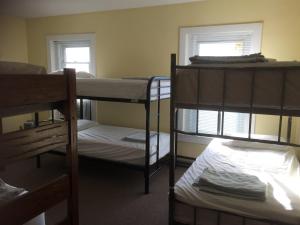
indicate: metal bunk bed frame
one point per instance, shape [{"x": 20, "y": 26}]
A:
[
  {"x": 148, "y": 170},
  {"x": 174, "y": 130}
]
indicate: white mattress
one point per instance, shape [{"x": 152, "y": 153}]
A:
[
  {"x": 132, "y": 89},
  {"x": 276, "y": 165},
  {"x": 106, "y": 142}
]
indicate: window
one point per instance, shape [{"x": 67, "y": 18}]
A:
[
  {"x": 226, "y": 40},
  {"x": 74, "y": 51}
]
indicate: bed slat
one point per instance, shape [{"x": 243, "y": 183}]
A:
[
  {"x": 31, "y": 89},
  {"x": 36, "y": 202},
  {"x": 27, "y": 143}
]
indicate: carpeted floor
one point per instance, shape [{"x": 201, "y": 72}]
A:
[{"x": 108, "y": 195}]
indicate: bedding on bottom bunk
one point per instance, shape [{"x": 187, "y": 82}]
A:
[
  {"x": 8, "y": 193},
  {"x": 111, "y": 143},
  {"x": 277, "y": 166}
]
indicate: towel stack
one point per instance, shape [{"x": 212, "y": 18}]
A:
[
  {"x": 236, "y": 185},
  {"x": 253, "y": 58}
]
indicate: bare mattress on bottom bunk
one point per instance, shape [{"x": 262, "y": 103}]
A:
[
  {"x": 276, "y": 165},
  {"x": 109, "y": 142},
  {"x": 132, "y": 89}
]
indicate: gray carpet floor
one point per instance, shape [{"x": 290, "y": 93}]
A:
[{"x": 108, "y": 195}]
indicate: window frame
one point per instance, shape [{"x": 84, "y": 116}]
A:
[
  {"x": 186, "y": 50},
  {"x": 76, "y": 40}
]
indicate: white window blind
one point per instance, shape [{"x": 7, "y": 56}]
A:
[{"x": 227, "y": 40}]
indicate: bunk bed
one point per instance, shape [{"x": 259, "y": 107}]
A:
[
  {"x": 33, "y": 93},
  {"x": 128, "y": 90},
  {"x": 255, "y": 88}
]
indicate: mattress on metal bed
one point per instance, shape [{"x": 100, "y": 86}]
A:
[
  {"x": 129, "y": 89},
  {"x": 107, "y": 142},
  {"x": 277, "y": 165},
  {"x": 205, "y": 85}
]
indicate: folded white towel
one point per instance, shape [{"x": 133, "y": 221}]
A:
[
  {"x": 139, "y": 136},
  {"x": 232, "y": 184}
]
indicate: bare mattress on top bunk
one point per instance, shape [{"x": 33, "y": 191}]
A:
[
  {"x": 276, "y": 165},
  {"x": 205, "y": 82},
  {"x": 133, "y": 89},
  {"x": 110, "y": 143}
]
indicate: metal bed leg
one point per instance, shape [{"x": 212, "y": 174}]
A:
[
  {"x": 147, "y": 153},
  {"x": 81, "y": 108}
]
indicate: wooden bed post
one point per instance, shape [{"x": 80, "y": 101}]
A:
[
  {"x": 72, "y": 157},
  {"x": 172, "y": 158}
]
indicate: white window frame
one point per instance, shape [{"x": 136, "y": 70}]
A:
[
  {"x": 75, "y": 40},
  {"x": 206, "y": 34}
]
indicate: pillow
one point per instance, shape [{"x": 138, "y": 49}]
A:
[
  {"x": 8, "y": 193},
  {"x": 79, "y": 75},
  {"x": 85, "y": 124},
  {"x": 84, "y": 75}
]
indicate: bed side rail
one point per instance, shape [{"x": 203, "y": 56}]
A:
[
  {"x": 32, "y": 204},
  {"x": 25, "y": 93},
  {"x": 28, "y": 143}
]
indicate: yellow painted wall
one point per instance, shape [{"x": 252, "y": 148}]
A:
[
  {"x": 13, "y": 47},
  {"x": 139, "y": 41}
]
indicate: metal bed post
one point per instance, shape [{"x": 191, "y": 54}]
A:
[
  {"x": 172, "y": 158},
  {"x": 147, "y": 158},
  {"x": 289, "y": 129},
  {"x": 281, "y": 104},
  {"x": 251, "y": 103},
  {"x": 223, "y": 101},
  {"x": 158, "y": 126},
  {"x": 81, "y": 108},
  {"x": 176, "y": 137}
]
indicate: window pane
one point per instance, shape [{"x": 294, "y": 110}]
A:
[
  {"x": 236, "y": 124},
  {"x": 77, "y": 54},
  {"x": 208, "y": 122},
  {"x": 221, "y": 48},
  {"x": 79, "y": 67}
]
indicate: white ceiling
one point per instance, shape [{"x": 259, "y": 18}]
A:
[{"x": 42, "y": 8}]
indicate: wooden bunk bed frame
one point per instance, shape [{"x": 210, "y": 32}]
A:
[
  {"x": 33, "y": 93},
  {"x": 148, "y": 170},
  {"x": 174, "y": 129}
]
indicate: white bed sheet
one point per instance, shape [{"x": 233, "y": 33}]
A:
[
  {"x": 276, "y": 165},
  {"x": 106, "y": 142},
  {"x": 132, "y": 89}
]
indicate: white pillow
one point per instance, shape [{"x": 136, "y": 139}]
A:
[
  {"x": 84, "y": 75},
  {"x": 8, "y": 193},
  {"x": 79, "y": 75},
  {"x": 85, "y": 124}
]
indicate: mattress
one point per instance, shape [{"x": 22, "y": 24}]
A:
[
  {"x": 276, "y": 165},
  {"x": 129, "y": 89},
  {"x": 202, "y": 85},
  {"x": 109, "y": 143}
]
